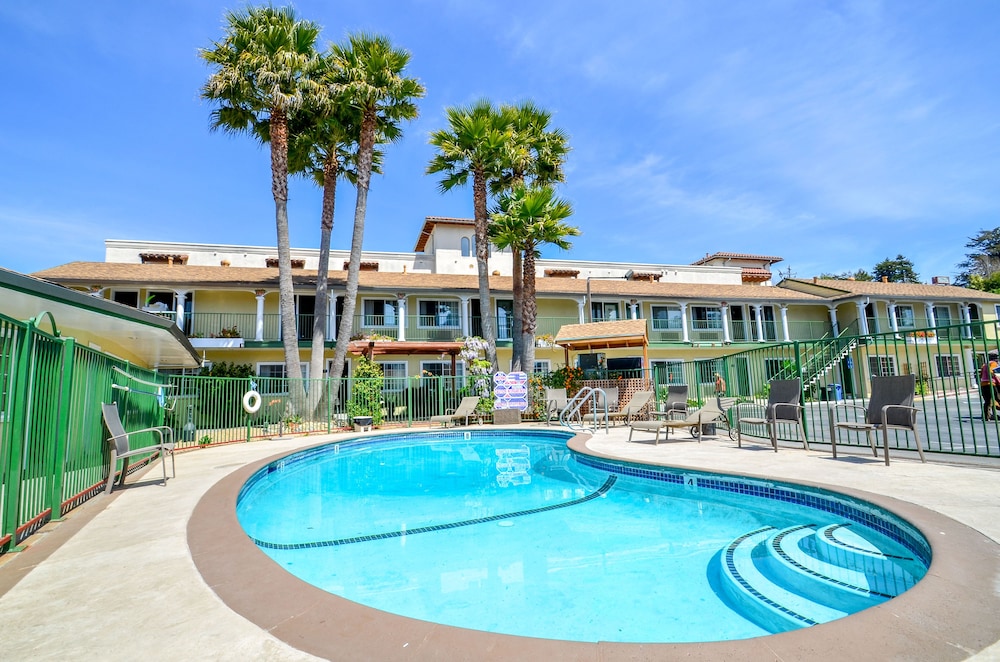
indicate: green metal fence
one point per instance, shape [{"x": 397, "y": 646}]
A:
[
  {"x": 945, "y": 361},
  {"x": 52, "y": 450},
  {"x": 210, "y": 410}
]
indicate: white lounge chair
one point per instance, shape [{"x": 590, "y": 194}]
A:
[
  {"x": 555, "y": 402},
  {"x": 465, "y": 409},
  {"x": 121, "y": 450},
  {"x": 633, "y": 408},
  {"x": 713, "y": 412}
]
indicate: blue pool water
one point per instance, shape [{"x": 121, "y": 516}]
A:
[{"x": 513, "y": 533}]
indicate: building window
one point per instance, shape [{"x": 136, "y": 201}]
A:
[
  {"x": 381, "y": 312},
  {"x": 904, "y": 317},
  {"x": 942, "y": 316},
  {"x": 706, "y": 370},
  {"x": 666, "y": 318},
  {"x": 542, "y": 367},
  {"x": 160, "y": 302},
  {"x": 603, "y": 311},
  {"x": 438, "y": 314},
  {"x": 947, "y": 366},
  {"x": 395, "y": 376},
  {"x": 668, "y": 371},
  {"x": 272, "y": 378},
  {"x": 505, "y": 319},
  {"x": 442, "y": 369},
  {"x": 706, "y": 318},
  {"x": 126, "y": 297},
  {"x": 882, "y": 366},
  {"x": 466, "y": 247},
  {"x": 773, "y": 368}
]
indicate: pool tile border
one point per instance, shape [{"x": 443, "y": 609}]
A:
[{"x": 949, "y": 615}]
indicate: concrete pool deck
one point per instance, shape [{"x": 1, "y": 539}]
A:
[{"x": 139, "y": 575}]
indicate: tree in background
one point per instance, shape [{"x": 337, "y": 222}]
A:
[
  {"x": 473, "y": 147},
  {"x": 534, "y": 156},
  {"x": 262, "y": 76},
  {"x": 368, "y": 74},
  {"x": 529, "y": 217},
  {"x": 899, "y": 270},
  {"x": 981, "y": 268},
  {"x": 860, "y": 274}
]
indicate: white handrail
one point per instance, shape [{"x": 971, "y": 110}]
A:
[{"x": 576, "y": 403}]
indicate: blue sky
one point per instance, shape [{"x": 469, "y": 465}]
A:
[{"x": 833, "y": 134}]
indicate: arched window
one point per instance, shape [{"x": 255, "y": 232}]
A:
[{"x": 466, "y": 247}]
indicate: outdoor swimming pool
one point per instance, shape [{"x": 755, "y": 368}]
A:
[{"x": 513, "y": 533}]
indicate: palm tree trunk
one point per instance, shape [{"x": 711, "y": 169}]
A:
[
  {"x": 530, "y": 310},
  {"x": 286, "y": 292},
  {"x": 517, "y": 342},
  {"x": 482, "y": 262},
  {"x": 366, "y": 146},
  {"x": 317, "y": 357}
]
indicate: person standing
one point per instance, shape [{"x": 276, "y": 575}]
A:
[
  {"x": 720, "y": 386},
  {"x": 989, "y": 384}
]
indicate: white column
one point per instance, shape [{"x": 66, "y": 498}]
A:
[
  {"x": 259, "y": 332},
  {"x": 929, "y": 311},
  {"x": 725, "y": 323},
  {"x": 891, "y": 310},
  {"x": 331, "y": 315},
  {"x": 581, "y": 306},
  {"x": 966, "y": 315},
  {"x": 784, "y": 322},
  {"x": 833, "y": 321},
  {"x": 684, "y": 323},
  {"x": 465, "y": 316},
  {"x": 862, "y": 318},
  {"x": 759, "y": 309},
  {"x": 401, "y": 315},
  {"x": 179, "y": 309}
]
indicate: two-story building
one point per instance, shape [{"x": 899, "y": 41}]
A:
[{"x": 225, "y": 299}]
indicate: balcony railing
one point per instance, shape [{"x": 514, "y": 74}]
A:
[{"x": 435, "y": 328}]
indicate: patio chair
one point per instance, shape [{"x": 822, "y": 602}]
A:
[
  {"x": 465, "y": 409},
  {"x": 121, "y": 450},
  {"x": 633, "y": 408},
  {"x": 555, "y": 401},
  {"x": 606, "y": 396},
  {"x": 713, "y": 412},
  {"x": 783, "y": 408},
  {"x": 890, "y": 407},
  {"x": 676, "y": 402}
]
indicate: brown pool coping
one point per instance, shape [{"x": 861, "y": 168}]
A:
[{"x": 949, "y": 615}]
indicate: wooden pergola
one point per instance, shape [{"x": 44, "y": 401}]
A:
[
  {"x": 617, "y": 334},
  {"x": 371, "y": 348}
]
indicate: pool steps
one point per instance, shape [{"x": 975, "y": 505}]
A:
[{"x": 785, "y": 579}]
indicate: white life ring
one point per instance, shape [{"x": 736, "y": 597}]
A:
[{"x": 251, "y": 402}]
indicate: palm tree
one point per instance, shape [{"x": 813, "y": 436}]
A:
[
  {"x": 473, "y": 147},
  {"x": 261, "y": 77},
  {"x": 321, "y": 147},
  {"x": 535, "y": 154},
  {"x": 368, "y": 74},
  {"x": 532, "y": 216}
]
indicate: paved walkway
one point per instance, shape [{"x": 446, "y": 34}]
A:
[{"x": 115, "y": 580}]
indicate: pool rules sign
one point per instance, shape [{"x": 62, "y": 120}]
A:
[{"x": 510, "y": 390}]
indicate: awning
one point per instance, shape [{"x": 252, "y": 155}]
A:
[
  {"x": 122, "y": 331},
  {"x": 604, "y": 335}
]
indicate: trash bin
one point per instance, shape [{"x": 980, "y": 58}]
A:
[{"x": 834, "y": 392}]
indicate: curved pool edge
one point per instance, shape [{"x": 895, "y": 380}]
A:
[{"x": 950, "y": 615}]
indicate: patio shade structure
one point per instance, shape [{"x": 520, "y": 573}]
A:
[
  {"x": 370, "y": 348},
  {"x": 616, "y": 334}
]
